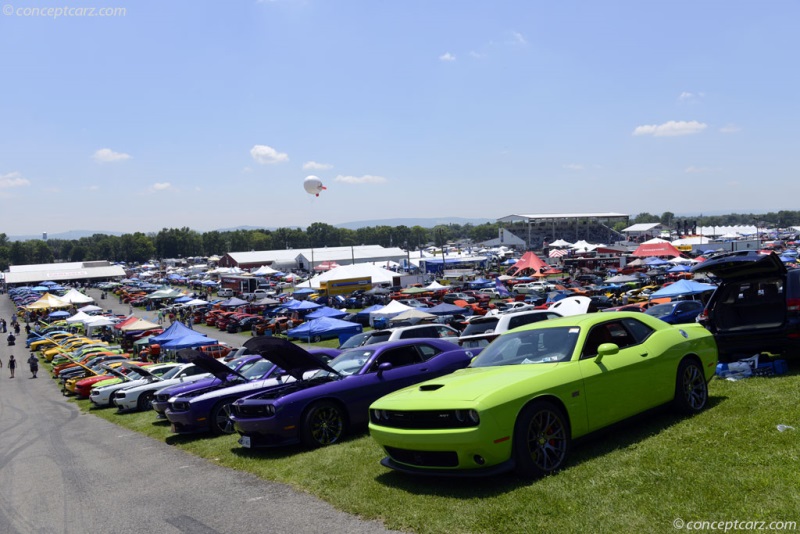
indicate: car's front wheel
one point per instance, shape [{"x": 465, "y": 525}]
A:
[
  {"x": 691, "y": 388},
  {"x": 221, "y": 419},
  {"x": 323, "y": 425},
  {"x": 541, "y": 439},
  {"x": 145, "y": 401}
]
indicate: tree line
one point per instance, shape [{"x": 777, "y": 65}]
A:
[{"x": 140, "y": 247}]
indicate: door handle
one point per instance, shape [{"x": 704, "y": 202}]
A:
[{"x": 644, "y": 354}]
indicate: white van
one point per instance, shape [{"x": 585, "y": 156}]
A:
[{"x": 225, "y": 292}]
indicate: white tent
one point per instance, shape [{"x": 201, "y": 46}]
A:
[
  {"x": 560, "y": 243},
  {"x": 80, "y": 317},
  {"x": 359, "y": 270},
  {"x": 76, "y": 297},
  {"x": 435, "y": 286},
  {"x": 264, "y": 270},
  {"x": 90, "y": 308},
  {"x": 654, "y": 241},
  {"x": 694, "y": 240},
  {"x": 392, "y": 309},
  {"x": 413, "y": 316}
]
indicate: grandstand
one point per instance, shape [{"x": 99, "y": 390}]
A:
[{"x": 538, "y": 229}]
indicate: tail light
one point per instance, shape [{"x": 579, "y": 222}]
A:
[{"x": 793, "y": 305}]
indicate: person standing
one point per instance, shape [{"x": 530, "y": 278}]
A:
[
  {"x": 12, "y": 365},
  {"x": 33, "y": 361}
]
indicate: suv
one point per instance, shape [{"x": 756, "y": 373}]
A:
[
  {"x": 756, "y": 307},
  {"x": 402, "y": 332},
  {"x": 482, "y": 330}
]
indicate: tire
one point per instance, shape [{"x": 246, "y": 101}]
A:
[
  {"x": 541, "y": 440},
  {"x": 691, "y": 388},
  {"x": 220, "y": 419},
  {"x": 316, "y": 339},
  {"x": 145, "y": 401},
  {"x": 323, "y": 425}
]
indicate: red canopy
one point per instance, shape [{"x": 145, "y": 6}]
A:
[
  {"x": 529, "y": 260},
  {"x": 656, "y": 249}
]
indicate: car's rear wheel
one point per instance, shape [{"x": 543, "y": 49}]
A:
[
  {"x": 221, "y": 419},
  {"x": 541, "y": 439},
  {"x": 691, "y": 388},
  {"x": 145, "y": 401},
  {"x": 323, "y": 425},
  {"x": 316, "y": 339}
]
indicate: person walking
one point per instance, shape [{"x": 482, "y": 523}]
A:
[
  {"x": 33, "y": 361},
  {"x": 12, "y": 365}
]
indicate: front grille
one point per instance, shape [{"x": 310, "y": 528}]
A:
[
  {"x": 425, "y": 419},
  {"x": 245, "y": 411},
  {"x": 424, "y": 458}
]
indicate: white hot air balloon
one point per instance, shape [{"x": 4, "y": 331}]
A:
[{"x": 313, "y": 185}]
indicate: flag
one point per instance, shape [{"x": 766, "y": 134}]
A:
[{"x": 501, "y": 289}]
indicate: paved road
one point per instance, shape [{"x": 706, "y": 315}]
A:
[{"x": 64, "y": 471}]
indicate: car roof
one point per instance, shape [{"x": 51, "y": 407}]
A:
[{"x": 741, "y": 265}]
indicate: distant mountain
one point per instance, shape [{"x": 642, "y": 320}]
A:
[
  {"x": 423, "y": 222},
  {"x": 68, "y": 235}
]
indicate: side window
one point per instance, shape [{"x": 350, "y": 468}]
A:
[
  {"x": 638, "y": 330},
  {"x": 419, "y": 332},
  {"x": 427, "y": 352},
  {"x": 399, "y": 357},
  {"x": 445, "y": 332},
  {"x": 610, "y": 332}
]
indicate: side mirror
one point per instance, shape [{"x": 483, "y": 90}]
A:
[
  {"x": 382, "y": 368},
  {"x": 606, "y": 349}
]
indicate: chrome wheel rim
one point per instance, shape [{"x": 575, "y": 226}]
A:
[{"x": 223, "y": 420}]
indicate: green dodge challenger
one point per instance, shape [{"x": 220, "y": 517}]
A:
[{"x": 523, "y": 400}]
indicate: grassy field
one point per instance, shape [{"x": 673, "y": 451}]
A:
[{"x": 728, "y": 463}]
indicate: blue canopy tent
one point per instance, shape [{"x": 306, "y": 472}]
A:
[
  {"x": 480, "y": 283},
  {"x": 193, "y": 339},
  {"x": 232, "y": 302},
  {"x": 445, "y": 309},
  {"x": 682, "y": 288},
  {"x": 325, "y": 311},
  {"x": 58, "y": 314},
  {"x": 302, "y": 305},
  {"x": 304, "y": 291},
  {"x": 680, "y": 269},
  {"x": 175, "y": 330},
  {"x": 366, "y": 311},
  {"x": 653, "y": 261},
  {"x": 323, "y": 328}
]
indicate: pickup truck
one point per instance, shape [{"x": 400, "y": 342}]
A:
[{"x": 258, "y": 294}]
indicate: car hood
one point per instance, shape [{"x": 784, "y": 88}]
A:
[
  {"x": 470, "y": 384},
  {"x": 288, "y": 356},
  {"x": 239, "y": 390},
  {"x": 742, "y": 265},
  {"x": 207, "y": 363}
]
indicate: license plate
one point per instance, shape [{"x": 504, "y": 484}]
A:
[{"x": 244, "y": 441}]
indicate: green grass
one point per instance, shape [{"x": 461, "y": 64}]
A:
[{"x": 727, "y": 463}]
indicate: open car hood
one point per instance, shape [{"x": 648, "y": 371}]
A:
[
  {"x": 143, "y": 372},
  {"x": 742, "y": 265},
  {"x": 288, "y": 356},
  {"x": 208, "y": 363},
  {"x": 112, "y": 371}
]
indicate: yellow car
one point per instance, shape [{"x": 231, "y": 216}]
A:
[
  {"x": 69, "y": 346},
  {"x": 51, "y": 340}
]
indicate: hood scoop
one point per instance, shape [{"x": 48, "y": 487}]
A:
[{"x": 430, "y": 387}]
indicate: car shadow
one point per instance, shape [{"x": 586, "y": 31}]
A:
[
  {"x": 622, "y": 435},
  {"x": 285, "y": 451}
]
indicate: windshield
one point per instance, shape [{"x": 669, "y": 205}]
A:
[
  {"x": 480, "y": 326},
  {"x": 378, "y": 337},
  {"x": 355, "y": 341},
  {"x": 540, "y": 345},
  {"x": 257, "y": 370},
  {"x": 348, "y": 363},
  {"x": 170, "y": 373}
]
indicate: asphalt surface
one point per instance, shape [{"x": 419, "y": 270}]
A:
[{"x": 64, "y": 471}]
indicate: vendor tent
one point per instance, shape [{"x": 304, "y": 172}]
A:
[
  {"x": 390, "y": 310},
  {"x": 325, "y": 311},
  {"x": 445, "y": 309},
  {"x": 359, "y": 270},
  {"x": 323, "y": 328},
  {"x": 656, "y": 249},
  {"x": 48, "y": 301},
  {"x": 413, "y": 316},
  {"x": 682, "y": 288},
  {"x": 76, "y": 297},
  {"x": 435, "y": 286},
  {"x": 90, "y": 308},
  {"x": 139, "y": 325},
  {"x": 79, "y": 317},
  {"x": 529, "y": 260},
  {"x": 174, "y": 330},
  {"x": 187, "y": 340},
  {"x": 232, "y": 302}
]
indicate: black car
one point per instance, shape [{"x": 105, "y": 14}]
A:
[
  {"x": 243, "y": 325},
  {"x": 756, "y": 307}
]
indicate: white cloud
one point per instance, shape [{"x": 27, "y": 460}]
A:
[
  {"x": 161, "y": 186},
  {"x": 447, "y": 56},
  {"x": 671, "y": 128},
  {"x": 519, "y": 38},
  {"x": 692, "y": 169},
  {"x": 314, "y": 166},
  {"x": 366, "y": 179},
  {"x": 686, "y": 96},
  {"x": 477, "y": 55},
  {"x": 106, "y": 155},
  {"x": 266, "y": 154},
  {"x": 93, "y": 188},
  {"x": 573, "y": 166},
  {"x": 13, "y": 179},
  {"x": 730, "y": 128}
]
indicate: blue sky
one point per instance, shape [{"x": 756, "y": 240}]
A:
[{"x": 211, "y": 114}]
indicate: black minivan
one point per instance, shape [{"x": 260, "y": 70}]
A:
[{"x": 756, "y": 307}]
